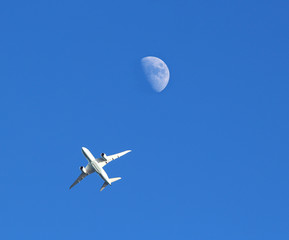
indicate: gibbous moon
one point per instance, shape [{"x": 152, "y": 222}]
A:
[{"x": 157, "y": 72}]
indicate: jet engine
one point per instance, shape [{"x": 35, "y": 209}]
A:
[
  {"x": 103, "y": 155},
  {"x": 82, "y": 169}
]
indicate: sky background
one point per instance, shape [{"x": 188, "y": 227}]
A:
[{"x": 210, "y": 156}]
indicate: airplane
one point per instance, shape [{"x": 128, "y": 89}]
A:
[{"x": 96, "y": 165}]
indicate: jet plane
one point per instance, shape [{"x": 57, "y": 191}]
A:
[{"x": 96, "y": 165}]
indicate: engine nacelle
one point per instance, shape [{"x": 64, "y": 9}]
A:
[
  {"x": 82, "y": 169},
  {"x": 103, "y": 156}
]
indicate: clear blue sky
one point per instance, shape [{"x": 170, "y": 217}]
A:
[{"x": 210, "y": 156}]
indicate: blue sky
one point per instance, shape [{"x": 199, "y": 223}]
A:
[{"x": 209, "y": 154}]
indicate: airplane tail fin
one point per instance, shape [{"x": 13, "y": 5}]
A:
[{"x": 111, "y": 180}]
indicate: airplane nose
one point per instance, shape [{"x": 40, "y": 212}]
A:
[{"x": 83, "y": 149}]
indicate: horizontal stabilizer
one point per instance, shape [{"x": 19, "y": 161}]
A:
[
  {"x": 103, "y": 186},
  {"x": 111, "y": 180},
  {"x": 114, "y": 179}
]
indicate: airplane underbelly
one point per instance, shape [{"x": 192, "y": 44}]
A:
[
  {"x": 96, "y": 167},
  {"x": 104, "y": 175},
  {"x": 100, "y": 171}
]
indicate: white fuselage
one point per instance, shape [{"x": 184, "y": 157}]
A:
[{"x": 95, "y": 165}]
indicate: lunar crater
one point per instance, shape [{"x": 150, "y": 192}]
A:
[{"x": 156, "y": 71}]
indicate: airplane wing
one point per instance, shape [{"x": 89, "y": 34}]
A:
[
  {"x": 87, "y": 170},
  {"x": 110, "y": 158},
  {"x": 81, "y": 176}
]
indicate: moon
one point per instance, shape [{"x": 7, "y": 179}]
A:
[{"x": 156, "y": 71}]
